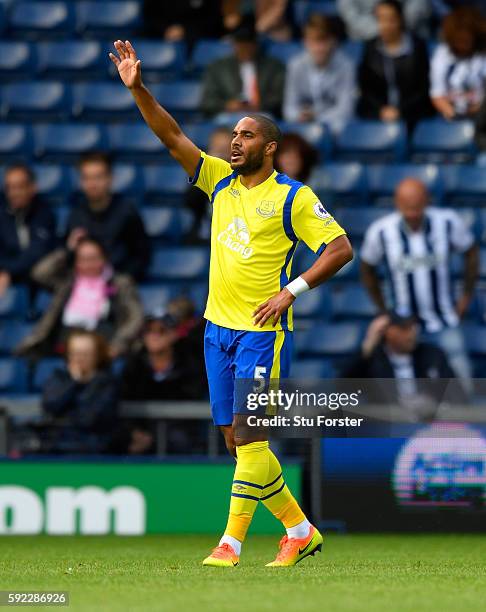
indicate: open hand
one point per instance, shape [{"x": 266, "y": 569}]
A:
[
  {"x": 129, "y": 67},
  {"x": 274, "y": 307}
]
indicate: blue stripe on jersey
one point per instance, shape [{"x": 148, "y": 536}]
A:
[
  {"x": 433, "y": 272},
  {"x": 193, "y": 179},
  {"x": 321, "y": 249},
  {"x": 283, "y": 179},
  {"x": 411, "y": 286},
  {"x": 224, "y": 182}
]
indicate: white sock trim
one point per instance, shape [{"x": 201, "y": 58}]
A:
[
  {"x": 233, "y": 542},
  {"x": 299, "y": 531}
]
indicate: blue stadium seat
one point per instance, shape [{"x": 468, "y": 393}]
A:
[
  {"x": 17, "y": 60},
  {"x": 160, "y": 60},
  {"x": 62, "y": 215},
  {"x": 181, "y": 97},
  {"x": 199, "y": 133},
  {"x": 181, "y": 264},
  {"x": 338, "y": 184},
  {"x": 354, "y": 50},
  {"x": 284, "y": 51},
  {"x": 465, "y": 185},
  {"x": 99, "y": 101},
  {"x": 72, "y": 59},
  {"x": 36, "y": 100},
  {"x": 304, "y": 8},
  {"x": 207, "y": 51},
  {"x": 312, "y": 369},
  {"x": 162, "y": 223},
  {"x": 155, "y": 297},
  {"x": 476, "y": 339},
  {"x": 315, "y": 304},
  {"x": 169, "y": 180},
  {"x": 57, "y": 142},
  {"x": 383, "y": 180},
  {"x": 134, "y": 140},
  {"x": 41, "y": 19},
  {"x": 14, "y": 302},
  {"x": 11, "y": 334},
  {"x": 372, "y": 141},
  {"x": 53, "y": 182},
  {"x": 352, "y": 302},
  {"x": 13, "y": 375},
  {"x": 337, "y": 339},
  {"x": 438, "y": 141},
  {"x": 15, "y": 141},
  {"x": 316, "y": 133},
  {"x": 127, "y": 179},
  {"x": 109, "y": 19},
  {"x": 43, "y": 371},
  {"x": 357, "y": 220}
]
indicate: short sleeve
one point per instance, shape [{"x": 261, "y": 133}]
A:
[
  {"x": 372, "y": 249},
  {"x": 461, "y": 235},
  {"x": 312, "y": 223},
  {"x": 209, "y": 172},
  {"x": 439, "y": 67}
]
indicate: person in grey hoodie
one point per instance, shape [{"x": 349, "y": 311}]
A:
[{"x": 320, "y": 82}]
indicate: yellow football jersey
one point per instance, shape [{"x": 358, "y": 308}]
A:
[{"x": 254, "y": 233}]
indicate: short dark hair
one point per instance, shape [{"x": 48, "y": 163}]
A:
[
  {"x": 324, "y": 25},
  {"x": 96, "y": 157},
  {"x": 270, "y": 130},
  {"x": 91, "y": 240},
  {"x": 26, "y": 169}
]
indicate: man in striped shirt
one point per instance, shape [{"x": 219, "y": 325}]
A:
[{"x": 414, "y": 244}]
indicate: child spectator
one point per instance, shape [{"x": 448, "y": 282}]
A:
[{"x": 295, "y": 157}]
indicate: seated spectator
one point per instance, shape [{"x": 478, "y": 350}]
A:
[
  {"x": 27, "y": 226},
  {"x": 392, "y": 350},
  {"x": 188, "y": 20},
  {"x": 359, "y": 17},
  {"x": 416, "y": 243},
  {"x": 87, "y": 295},
  {"x": 295, "y": 157},
  {"x": 116, "y": 224},
  {"x": 320, "y": 82},
  {"x": 158, "y": 371},
  {"x": 394, "y": 71},
  {"x": 458, "y": 67},
  {"x": 80, "y": 400},
  {"x": 195, "y": 199},
  {"x": 246, "y": 81},
  {"x": 271, "y": 19}
]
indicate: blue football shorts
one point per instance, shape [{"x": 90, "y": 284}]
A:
[{"x": 232, "y": 354}]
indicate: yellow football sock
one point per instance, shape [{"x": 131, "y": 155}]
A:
[
  {"x": 251, "y": 475},
  {"x": 276, "y": 496}
]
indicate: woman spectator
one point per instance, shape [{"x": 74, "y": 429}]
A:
[
  {"x": 87, "y": 295},
  {"x": 394, "y": 72},
  {"x": 80, "y": 400},
  {"x": 295, "y": 157},
  {"x": 458, "y": 66}
]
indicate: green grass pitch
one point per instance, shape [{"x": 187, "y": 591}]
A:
[{"x": 375, "y": 573}]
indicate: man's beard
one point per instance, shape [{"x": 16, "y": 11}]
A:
[{"x": 253, "y": 162}]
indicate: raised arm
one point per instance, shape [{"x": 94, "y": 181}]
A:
[{"x": 164, "y": 126}]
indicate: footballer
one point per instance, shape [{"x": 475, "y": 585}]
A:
[{"x": 258, "y": 218}]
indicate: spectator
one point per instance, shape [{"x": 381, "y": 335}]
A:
[
  {"x": 195, "y": 199},
  {"x": 115, "y": 223},
  {"x": 416, "y": 242},
  {"x": 187, "y": 20},
  {"x": 248, "y": 80},
  {"x": 82, "y": 397},
  {"x": 295, "y": 157},
  {"x": 87, "y": 295},
  {"x": 458, "y": 67},
  {"x": 320, "y": 82},
  {"x": 159, "y": 371},
  {"x": 394, "y": 71},
  {"x": 358, "y": 15},
  {"x": 392, "y": 350},
  {"x": 271, "y": 19},
  {"x": 27, "y": 226}
]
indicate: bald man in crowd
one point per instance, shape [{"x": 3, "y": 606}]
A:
[{"x": 415, "y": 244}]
